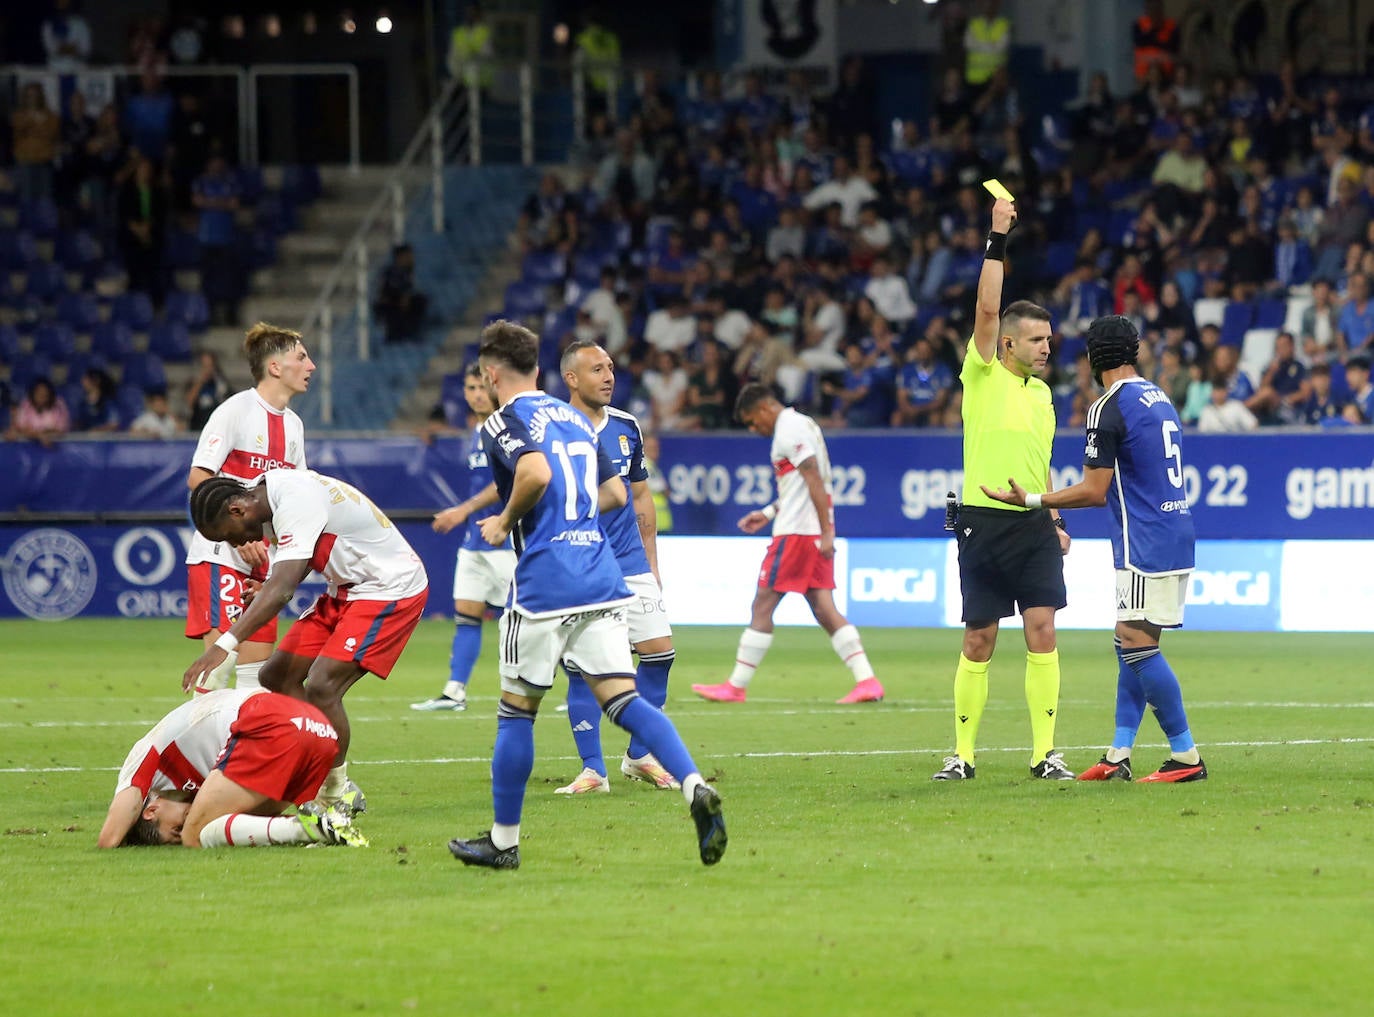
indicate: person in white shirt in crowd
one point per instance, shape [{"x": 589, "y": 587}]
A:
[
  {"x": 787, "y": 237},
  {"x": 847, "y": 189},
  {"x": 1224, "y": 415},
  {"x": 601, "y": 305},
  {"x": 732, "y": 324},
  {"x": 156, "y": 420},
  {"x": 672, "y": 326},
  {"x": 890, "y": 294},
  {"x": 822, "y": 330}
]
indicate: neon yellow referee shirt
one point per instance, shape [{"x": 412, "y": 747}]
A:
[{"x": 1008, "y": 429}]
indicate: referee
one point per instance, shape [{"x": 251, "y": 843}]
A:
[{"x": 1009, "y": 558}]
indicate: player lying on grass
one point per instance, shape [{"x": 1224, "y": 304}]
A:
[{"x": 220, "y": 770}]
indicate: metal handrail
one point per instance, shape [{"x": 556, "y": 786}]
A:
[{"x": 355, "y": 257}]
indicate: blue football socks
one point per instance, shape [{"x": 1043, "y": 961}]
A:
[
  {"x": 651, "y": 681},
  {"x": 652, "y": 728},
  {"x": 584, "y": 714},
  {"x": 512, "y": 761},
  {"x": 467, "y": 647}
]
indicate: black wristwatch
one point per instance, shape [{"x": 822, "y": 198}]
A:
[{"x": 1061, "y": 524}]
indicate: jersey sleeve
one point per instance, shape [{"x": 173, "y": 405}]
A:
[
  {"x": 1105, "y": 433},
  {"x": 216, "y": 439},
  {"x": 299, "y": 520},
  {"x": 140, "y": 767},
  {"x": 605, "y": 469},
  {"x": 793, "y": 441},
  {"x": 506, "y": 439},
  {"x": 975, "y": 367},
  {"x": 637, "y": 471},
  {"x": 299, "y": 429}
]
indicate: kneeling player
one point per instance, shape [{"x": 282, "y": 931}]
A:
[{"x": 220, "y": 770}]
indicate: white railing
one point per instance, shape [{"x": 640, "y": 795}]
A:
[{"x": 441, "y": 136}]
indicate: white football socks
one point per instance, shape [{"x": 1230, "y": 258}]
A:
[
  {"x": 850, "y": 649},
  {"x": 239, "y": 829},
  {"x": 246, "y": 675},
  {"x": 753, "y": 647}
]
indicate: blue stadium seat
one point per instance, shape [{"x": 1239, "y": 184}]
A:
[
  {"x": 543, "y": 268},
  {"x": 133, "y": 309},
  {"x": 1340, "y": 386},
  {"x": 24, "y": 371},
  {"x": 452, "y": 400},
  {"x": 144, "y": 370},
  {"x": 129, "y": 399},
  {"x": 171, "y": 341},
  {"x": 1119, "y": 223},
  {"x": 275, "y": 214},
  {"x": 300, "y": 184},
  {"x": 112, "y": 339},
  {"x": 261, "y": 249},
  {"x": 558, "y": 324},
  {"x": 46, "y": 281},
  {"x": 71, "y": 393},
  {"x": 78, "y": 250},
  {"x": 79, "y": 363},
  {"x": 18, "y": 249},
  {"x": 40, "y": 218},
  {"x": 54, "y": 339},
  {"x": 182, "y": 250},
  {"x": 656, "y": 234},
  {"x": 524, "y": 300},
  {"x": 189, "y": 309},
  {"x": 1270, "y": 314},
  {"x": 9, "y": 344},
  {"x": 1059, "y": 258},
  {"x": 79, "y": 310},
  {"x": 1236, "y": 320},
  {"x": 586, "y": 270}
]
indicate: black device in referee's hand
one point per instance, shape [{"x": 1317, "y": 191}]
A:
[{"x": 951, "y": 510}]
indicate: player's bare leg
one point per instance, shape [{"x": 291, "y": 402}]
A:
[
  {"x": 325, "y": 685},
  {"x": 227, "y": 814}
]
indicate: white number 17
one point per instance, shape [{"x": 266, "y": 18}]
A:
[{"x": 585, "y": 451}]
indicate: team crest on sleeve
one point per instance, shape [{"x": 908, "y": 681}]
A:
[
  {"x": 213, "y": 442},
  {"x": 624, "y": 444},
  {"x": 509, "y": 442},
  {"x": 260, "y": 441},
  {"x": 1090, "y": 450}
]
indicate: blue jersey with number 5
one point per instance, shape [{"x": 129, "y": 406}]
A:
[
  {"x": 564, "y": 562},
  {"x": 1134, "y": 430}
]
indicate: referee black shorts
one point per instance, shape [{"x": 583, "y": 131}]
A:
[{"x": 1008, "y": 560}]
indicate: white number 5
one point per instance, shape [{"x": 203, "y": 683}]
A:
[{"x": 1173, "y": 451}]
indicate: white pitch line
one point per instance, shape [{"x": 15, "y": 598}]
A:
[{"x": 818, "y": 754}]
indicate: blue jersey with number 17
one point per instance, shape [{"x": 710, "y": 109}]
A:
[
  {"x": 564, "y": 562},
  {"x": 623, "y": 443},
  {"x": 1134, "y": 430}
]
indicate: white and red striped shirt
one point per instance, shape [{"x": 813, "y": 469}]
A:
[
  {"x": 797, "y": 438},
  {"x": 345, "y": 537},
  {"x": 243, "y": 439},
  {"x": 181, "y": 750}
]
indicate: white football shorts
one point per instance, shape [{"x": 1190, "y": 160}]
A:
[
  {"x": 483, "y": 576},
  {"x": 597, "y": 642},
  {"x": 648, "y": 617},
  {"x": 1154, "y": 599}
]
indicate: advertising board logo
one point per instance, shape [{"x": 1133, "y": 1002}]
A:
[
  {"x": 1230, "y": 589},
  {"x": 904, "y": 586},
  {"x": 145, "y": 556},
  {"x": 49, "y": 574}
]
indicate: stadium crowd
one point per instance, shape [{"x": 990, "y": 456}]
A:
[{"x": 780, "y": 236}]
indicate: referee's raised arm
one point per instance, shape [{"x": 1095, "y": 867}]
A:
[{"x": 987, "y": 315}]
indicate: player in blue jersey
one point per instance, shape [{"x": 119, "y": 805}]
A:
[
  {"x": 633, "y": 534},
  {"x": 568, "y": 596},
  {"x": 1133, "y": 462},
  {"x": 482, "y": 573}
]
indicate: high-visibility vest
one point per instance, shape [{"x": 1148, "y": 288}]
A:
[
  {"x": 600, "y": 48},
  {"x": 470, "y": 48},
  {"x": 986, "y": 42},
  {"x": 1153, "y": 52}
]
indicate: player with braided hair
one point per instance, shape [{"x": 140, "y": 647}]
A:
[
  {"x": 376, "y": 594},
  {"x": 1133, "y": 462},
  {"x": 250, "y": 432}
]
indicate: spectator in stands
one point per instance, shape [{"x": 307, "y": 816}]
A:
[
  {"x": 1179, "y": 178},
  {"x": 1155, "y": 38},
  {"x": 787, "y": 237},
  {"x": 853, "y": 105},
  {"x": 1360, "y": 409},
  {"x": 872, "y": 238},
  {"x": 1081, "y": 297},
  {"x": 846, "y": 189},
  {"x": 105, "y": 156},
  {"x": 857, "y": 401},
  {"x": 97, "y": 410},
  {"x": 1343, "y": 224},
  {"x": 1292, "y": 257},
  {"x": 1130, "y": 278},
  {"x": 1250, "y": 261},
  {"x": 1170, "y": 311},
  {"x": 666, "y": 382},
  {"x": 1322, "y": 341},
  {"x": 1225, "y": 414},
  {"x": 156, "y": 420},
  {"x": 890, "y": 294},
  {"x": 1285, "y": 389},
  {"x": 37, "y": 132},
  {"x": 142, "y": 217},
  {"x": 66, "y": 38},
  {"x": 710, "y": 391},
  {"x": 1308, "y": 216},
  {"x": 400, "y": 306},
  {"x": 216, "y": 196},
  {"x": 1085, "y": 390},
  {"x": 1322, "y": 405},
  {"x": 626, "y": 175},
  {"x": 194, "y": 138},
  {"x": 208, "y": 389},
  {"x": 923, "y": 388},
  {"x": 822, "y": 330},
  {"x": 671, "y": 327},
  {"x": 667, "y": 269},
  {"x": 148, "y": 116},
  {"x": 542, "y": 211},
  {"x": 600, "y": 304},
  {"x": 1199, "y": 393},
  {"x": 1172, "y": 376},
  {"x": 76, "y": 132},
  {"x": 41, "y": 416},
  {"x": 1356, "y": 323}
]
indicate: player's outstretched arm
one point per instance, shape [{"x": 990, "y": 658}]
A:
[
  {"x": 611, "y": 495},
  {"x": 987, "y": 315},
  {"x": 267, "y": 603},
  {"x": 451, "y": 518},
  {"x": 646, "y": 518},
  {"x": 119, "y": 820},
  {"x": 1090, "y": 492}
]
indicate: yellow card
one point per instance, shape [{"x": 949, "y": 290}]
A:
[{"x": 995, "y": 188}]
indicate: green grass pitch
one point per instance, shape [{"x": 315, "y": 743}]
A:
[{"x": 852, "y": 885}]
